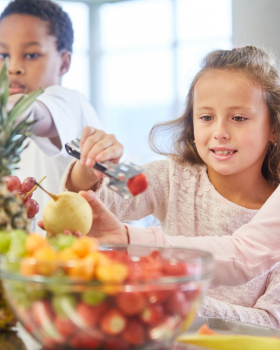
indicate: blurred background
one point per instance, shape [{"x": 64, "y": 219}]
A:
[{"x": 134, "y": 59}]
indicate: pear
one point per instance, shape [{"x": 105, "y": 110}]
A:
[{"x": 67, "y": 211}]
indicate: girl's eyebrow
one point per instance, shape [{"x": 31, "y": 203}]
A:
[
  {"x": 233, "y": 107},
  {"x": 4, "y": 45}
]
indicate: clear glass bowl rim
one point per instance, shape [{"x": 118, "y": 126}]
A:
[{"x": 204, "y": 258}]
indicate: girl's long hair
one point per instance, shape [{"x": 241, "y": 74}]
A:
[{"x": 262, "y": 68}]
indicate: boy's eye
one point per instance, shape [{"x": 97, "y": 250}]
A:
[
  {"x": 239, "y": 119},
  {"x": 206, "y": 118},
  {"x": 32, "y": 56},
  {"x": 3, "y": 56}
]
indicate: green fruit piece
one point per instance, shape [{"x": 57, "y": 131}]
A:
[
  {"x": 18, "y": 234},
  {"x": 5, "y": 241},
  {"x": 17, "y": 245},
  {"x": 61, "y": 241},
  {"x": 64, "y": 305},
  {"x": 93, "y": 297}
]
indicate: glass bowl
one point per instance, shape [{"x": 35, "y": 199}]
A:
[{"x": 156, "y": 302}]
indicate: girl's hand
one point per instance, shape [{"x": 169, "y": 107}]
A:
[
  {"x": 106, "y": 228},
  {"x": 97, "y": 146},
  {"x": 66, "y": 232}
]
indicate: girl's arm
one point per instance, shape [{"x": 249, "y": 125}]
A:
[
  {"x": 264, "y": 313},
  {"x": 250, "y": 252}
]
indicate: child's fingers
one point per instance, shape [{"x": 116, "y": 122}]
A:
[
  {"x": 89, "y": 144},
  {"x": 40, "y": 224},
  {"x": 107, "y": 147},
  {"x": 112, "y": 153},
  {"x": 87, "y": 131}
]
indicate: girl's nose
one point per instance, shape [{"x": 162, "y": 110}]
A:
[
  {"x": 221, "y": 133},
  {"x": 15, "y": 67}
]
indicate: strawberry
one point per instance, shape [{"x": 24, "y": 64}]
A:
[
  {"x": 86, "y": 340},
  {"x": 42, "y": 312},
  {"x": 134, "y": 333},
  {"x": 176, "y": 268},
  {"x": 137, "y": 184},
  {"x": 131, "y": 303},
  {"x": 157, "y": 296},
  {"x": 177, "y": 303},
  {"x": 113, "y": 322},
  {"x": 193, "y": 291},
  {"x": 115, "y": 343},
  {"x": 165, "y": 329},
  {"x": 152, "y": 314},
  {"x": 27, "y": 319},
  {"x": 64, "y": 326},
  {"x": 90, "y": 314}
]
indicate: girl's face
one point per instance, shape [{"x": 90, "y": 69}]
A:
[{"x": 232, "y": 128}]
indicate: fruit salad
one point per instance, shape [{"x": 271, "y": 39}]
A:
[{"x": 70, "y": 293}]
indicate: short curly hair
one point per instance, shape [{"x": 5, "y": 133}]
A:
[{"x": 60, "y": 25}]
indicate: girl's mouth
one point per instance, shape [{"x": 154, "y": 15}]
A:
[{"x": 223, "y": 153}]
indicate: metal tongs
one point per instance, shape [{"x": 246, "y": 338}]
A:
[{"x": 118, "y": 173}]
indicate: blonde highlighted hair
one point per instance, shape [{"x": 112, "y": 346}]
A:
[{"x": 262, "y": 68}]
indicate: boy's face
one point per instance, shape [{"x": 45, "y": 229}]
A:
[{"x": 34, "y": 61}]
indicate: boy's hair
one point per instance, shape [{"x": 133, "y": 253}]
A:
[
  {"x": 60, "y": 24},
  {"x": 259, "y": 66}
]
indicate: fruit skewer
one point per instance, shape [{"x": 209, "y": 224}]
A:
[{"x": 127, "y": 179}]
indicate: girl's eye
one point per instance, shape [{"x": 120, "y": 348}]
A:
[
  {"x": 206, "y": 118},
  {"x": 32, "y": 56},
  {"x": 3, "y": 56},
  {"x": 239, "y": 119}
]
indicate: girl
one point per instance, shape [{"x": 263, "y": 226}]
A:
[{"x": 223, "y": 167}]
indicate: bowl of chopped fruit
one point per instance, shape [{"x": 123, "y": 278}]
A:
[{"x": 70, "y": 293}]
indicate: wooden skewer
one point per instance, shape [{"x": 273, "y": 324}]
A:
[{"x": 33, "y": 189}]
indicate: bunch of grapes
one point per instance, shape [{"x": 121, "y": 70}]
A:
[{"x": 15, "y": 186}]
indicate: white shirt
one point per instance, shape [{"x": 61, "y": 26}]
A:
[{"x": 71, "y": 112}]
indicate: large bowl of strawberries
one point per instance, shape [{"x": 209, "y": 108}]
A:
[{"x": 70, "y": 293}]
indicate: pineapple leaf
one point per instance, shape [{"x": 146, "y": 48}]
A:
[
  {"x": 22, "y": 105},
  {"x": 22, "y": 127},
  {"x": 4, "y": 86}
]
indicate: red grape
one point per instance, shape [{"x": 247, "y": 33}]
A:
[
  {"x": 13, "y": 183},
  {"x": 28, "y": 184},
  {"x": 32, "y": 207}
]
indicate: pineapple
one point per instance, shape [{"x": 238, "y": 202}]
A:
[{"x": 12, "y": 135}]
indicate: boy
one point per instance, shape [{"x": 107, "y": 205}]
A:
[{"x": 37, "y": 37}]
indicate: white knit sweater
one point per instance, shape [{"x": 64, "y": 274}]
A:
[{"x": 186, "y": 203}]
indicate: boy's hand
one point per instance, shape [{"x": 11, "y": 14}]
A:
[{"x": 97, "y": 146}]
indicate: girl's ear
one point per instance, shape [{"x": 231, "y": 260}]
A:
[{"x": 65, "y": 62}]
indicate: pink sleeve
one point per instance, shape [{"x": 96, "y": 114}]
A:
[
  {"x": 251, "y": 251},
  {"x": 264, "y": 313}
]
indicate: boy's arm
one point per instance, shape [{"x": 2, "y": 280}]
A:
[{"x": 44, "y": 127}]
